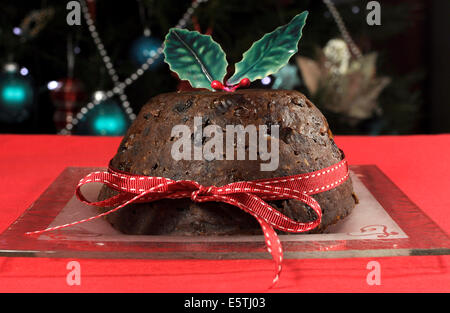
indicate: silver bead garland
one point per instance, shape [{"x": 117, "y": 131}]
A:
[
  {"x": 119, "y": 86},
  {"x": 342, "y": 28}
]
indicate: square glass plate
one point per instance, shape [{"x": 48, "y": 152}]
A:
[{"x": 384, "y": 223}]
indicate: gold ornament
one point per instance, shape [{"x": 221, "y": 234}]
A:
[
  {"x": 35, "y": 21},
  {"x": 342, "y": 85}
]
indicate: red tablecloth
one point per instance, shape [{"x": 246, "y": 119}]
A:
[{"x": 419, "y": 165}]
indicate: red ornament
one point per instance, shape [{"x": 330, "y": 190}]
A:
[
  {"x": 67, "y": 98},
  {"x": 197, "y": 27},
  {"x": 92, "y": 8},
  {"x": 183, "y": 85}
]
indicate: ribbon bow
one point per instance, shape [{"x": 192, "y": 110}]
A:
[{"x": 249, "y": 196}]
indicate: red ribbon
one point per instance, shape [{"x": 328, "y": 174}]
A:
[{"x": 249, "y": 196}]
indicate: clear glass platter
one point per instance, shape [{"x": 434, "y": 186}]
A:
[{"x": 384, "y": 223}]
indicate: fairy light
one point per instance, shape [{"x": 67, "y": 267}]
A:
[
  {"x": 266, "y": 80},
  {"x": 119, "y": 87},
  {"x": 24, "y": 71},
  {"x": 17, "y": 31},
  {"x": 52, "y": 85}
]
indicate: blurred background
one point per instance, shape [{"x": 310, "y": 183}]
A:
[{"x": 389, "y": 77}]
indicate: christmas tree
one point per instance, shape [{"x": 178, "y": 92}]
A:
[{"x": 69, "y": 69}]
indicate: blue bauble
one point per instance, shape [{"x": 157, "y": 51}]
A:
[
  {"x": 16, "y": 97},
  {"x": 105, "y": 119},
  {"x": 145, "y": 47}
]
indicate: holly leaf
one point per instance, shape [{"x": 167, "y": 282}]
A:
[
  {"x": 269, "y": 54},
  {"x": 195, "y": 57}
]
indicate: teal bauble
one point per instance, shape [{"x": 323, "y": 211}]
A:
[
  {"x": 286, "y": 78},
  {"x": 16, "y": 95},
  {"x": 145, "y": 47},
  {"x": 106, "y": 119}
]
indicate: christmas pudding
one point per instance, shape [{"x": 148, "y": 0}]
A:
[
  {"x": 214, "y": 154},
  {"x": 305, "y": 144},
  {"x": 219, "y": 161}
]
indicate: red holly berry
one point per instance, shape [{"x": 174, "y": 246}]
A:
[
  {"x": 245, "y": 82},
  {"x": 215, "y": 84}
]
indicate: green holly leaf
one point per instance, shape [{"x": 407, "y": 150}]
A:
[
  {"x": 195, "y": 57},
  {"x": 269, "y": 54}
]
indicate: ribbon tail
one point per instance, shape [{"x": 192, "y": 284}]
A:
[
  {"x": 245, "y": 201},
  {"x": 37, "y": 232},
  {"x": 274, "y": 247},
  {"x": 124, "y": 203}
]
